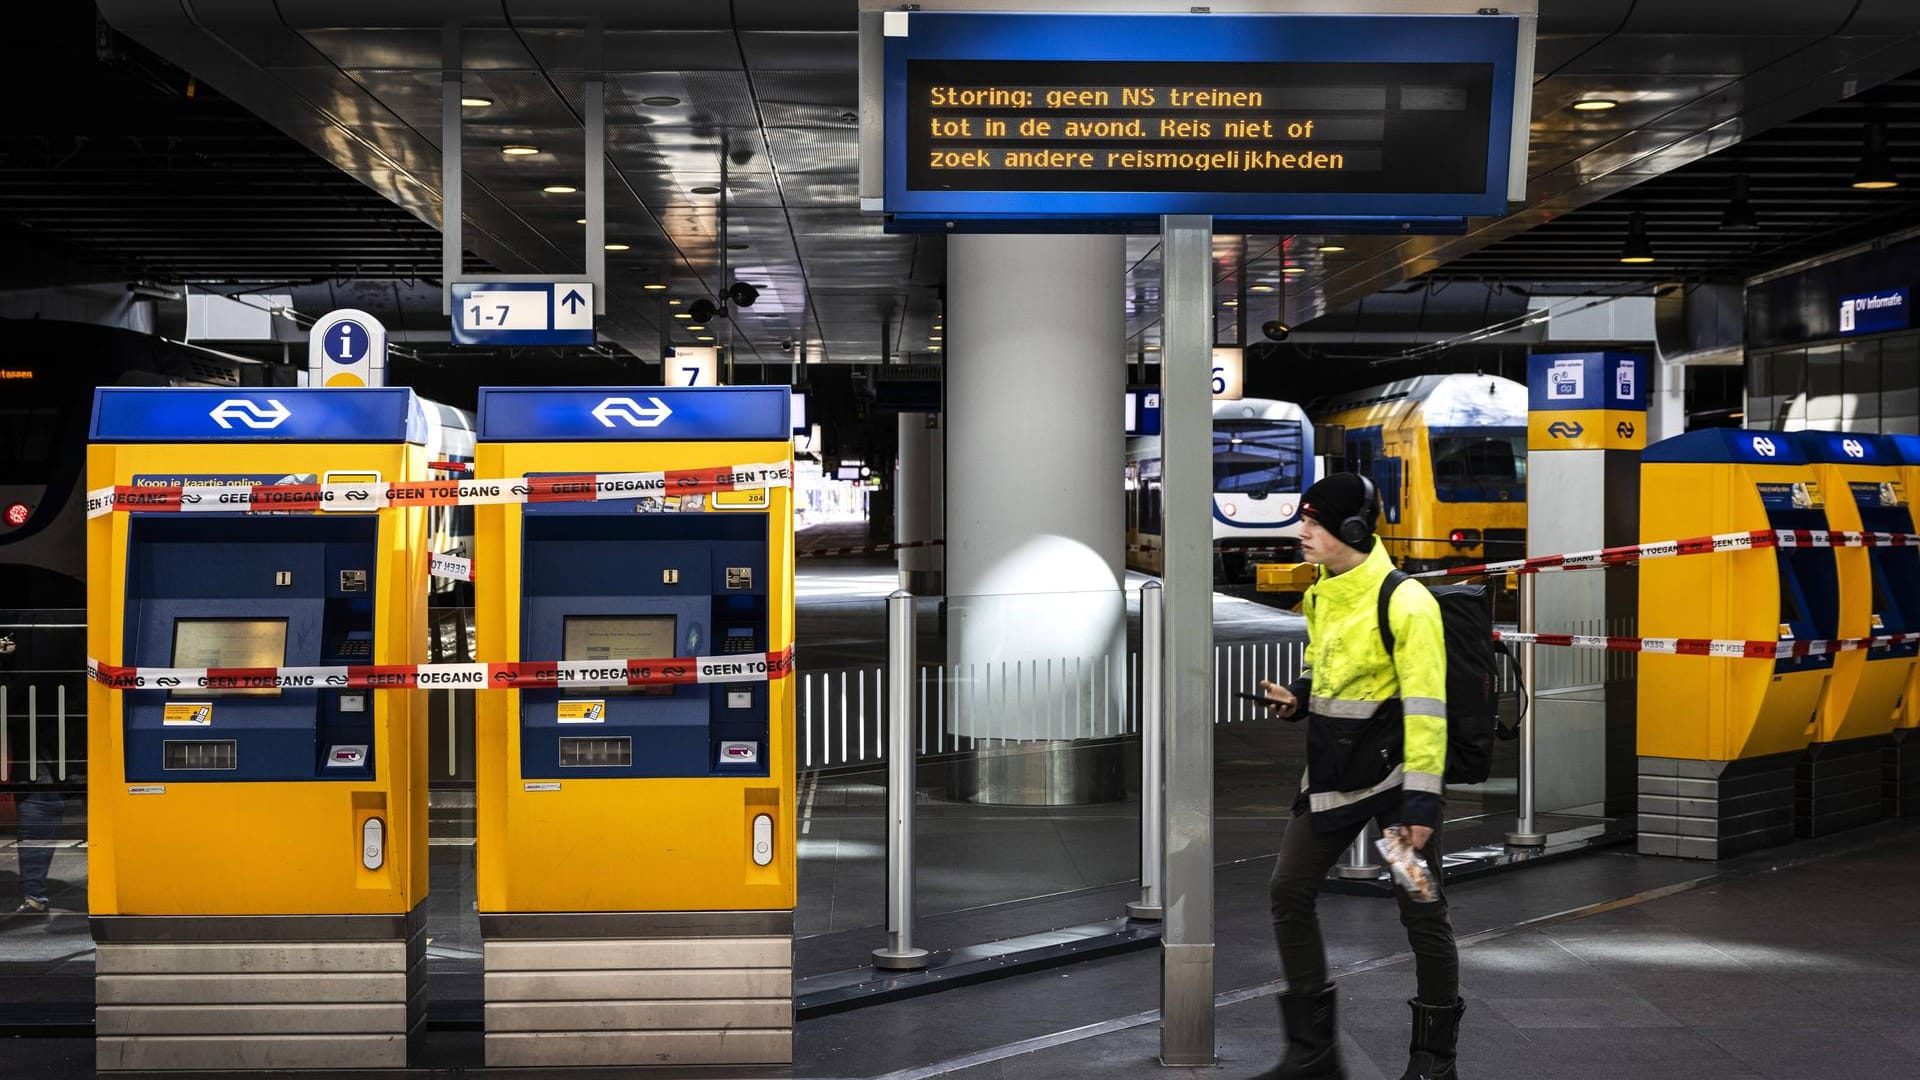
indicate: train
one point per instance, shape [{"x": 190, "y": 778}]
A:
[
  {"x": 1448, "y": 455},
  {"x": 1263, "y": 459}
]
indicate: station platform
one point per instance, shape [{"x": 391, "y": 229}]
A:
[{"x": 1797, "y": 963}]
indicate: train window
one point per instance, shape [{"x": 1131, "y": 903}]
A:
[
  {"x": 1257, "y": 457},
  {"x": 1483, "y": 465}
]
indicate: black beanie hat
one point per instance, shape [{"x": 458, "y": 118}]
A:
[{"x": 1336, "y": 498}]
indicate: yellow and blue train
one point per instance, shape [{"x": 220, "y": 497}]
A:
[{"x": 1448, "y": 454}]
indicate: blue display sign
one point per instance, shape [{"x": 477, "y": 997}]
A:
[
  {"x": 1143, "y": 412},
  {"x": 523, "y": 313},
  {"x": 1566, "y": 382},
  {"x": 634, "y": 413},
  {"x": 278, "y": 414},
  {"x": 1875, "y": 313},
  {"x": 995, "y": 116}
]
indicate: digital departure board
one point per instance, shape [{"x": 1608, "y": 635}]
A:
[{"x": 1023, "y": 116}]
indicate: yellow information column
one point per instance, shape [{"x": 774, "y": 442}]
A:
[
  {"x": 257, "y": 831},
  {"x": 636, "y": 778},
  {"x": 1721, "y": 737},
  {"x": 1840, "y": 778}
]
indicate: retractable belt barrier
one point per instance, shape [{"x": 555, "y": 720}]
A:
[
  {"x": 1731, "y": 647},
  {"x": 1756, "y": 540},
  {"x": 337, "y": 497},
  {"x": 676, "y": 671}
]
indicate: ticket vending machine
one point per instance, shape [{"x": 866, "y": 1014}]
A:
[
  {"x": 636, "y": 820},
  {"x": 1721, "y": 737},
  {"x": 1900, "y": 771},
  {"x": 1840, "y": 778},
  {"x": 257, "y": 866}
]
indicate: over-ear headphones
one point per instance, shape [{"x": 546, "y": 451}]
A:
[{"x": 1353, "y": 531}]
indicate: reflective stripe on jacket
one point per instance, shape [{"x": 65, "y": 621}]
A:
[{"x": 1350, "y": 679}]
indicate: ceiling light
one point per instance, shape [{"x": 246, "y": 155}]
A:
[
  {"x": 1259, "y": 288},
  {"x": 1739, "y": 216},
  {"x": 704, "y": 337},
  {"x": 705, "y": 189},
  {"x": 660, "y": 101},
  {"x": 654, "y": 286},
  {"x": 476, "y": 102},
  {"x": 933, "y": 348},
  {"x": 696, "y": 328},
  {"x": 559, "y": 189},
  {"x": 1638, "y": 249},
  {"x": 1329, "y": 249},
  {"x": 1876, "y": 164},
  {"x": 935, "y": 337},
  {"x": 1231, "y": 303},
  {"x": 519, "y": 151},
  {"x": 579, "y": 221},
  {"x": 675, "y": 303},
  {"x": 1595, "y": 104},
  {"x": 1291, "y": 270},
  {"x": 681, "y": 314},
  {"x": 619, "y": 247},
  {"x": 1151, "y": 348}
]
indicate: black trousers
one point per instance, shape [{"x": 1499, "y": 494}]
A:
[{"x": 1306, "y": 855}]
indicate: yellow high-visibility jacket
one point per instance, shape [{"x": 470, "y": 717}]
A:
[{"x": 1377, "y": 724}]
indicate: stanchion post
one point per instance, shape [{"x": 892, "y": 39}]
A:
[
  {"x": 1525, "y": 831},
  {"x": 900, "y": 955},
  {"x": 1153, "y": 748},
  {"x": 1359, "y": 865}
]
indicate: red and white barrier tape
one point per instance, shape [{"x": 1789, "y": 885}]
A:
[
  {"x": 305, "y": 498},
  {"x": 1755, "y": 540},
  {"x": 1733, "y": 647},
  {"x": 677, "y": 671},
  {"x": 866, "y": 549}
]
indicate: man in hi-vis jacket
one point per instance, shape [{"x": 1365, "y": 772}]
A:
[{"x": 1376, "y": 750}]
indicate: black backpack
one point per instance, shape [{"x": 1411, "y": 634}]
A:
[{"x": 1473, "y": 705}]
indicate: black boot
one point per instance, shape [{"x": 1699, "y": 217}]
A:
[
  {"x": 1435, "y": 1031},
  {"x": 1313, "y": 1040}
]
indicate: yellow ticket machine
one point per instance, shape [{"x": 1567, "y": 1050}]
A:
[
  {"x": 257, "y": 832},
  {"x": 1840, "y": 783},
  {"x": 1900, "y": 774},
  {"x": 636, "y": 784},
  {"x": 1721, "y": 737}
]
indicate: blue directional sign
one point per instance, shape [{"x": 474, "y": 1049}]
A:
[
  {"x": 523, "y": 313},
  {"x": 630, "y": 413},
  {"x": 347, "y": 342},
  {"x": 150, "y": 414},
  {"x": 1875, "y": 313},
  {"x": 1020, "y": 116}
]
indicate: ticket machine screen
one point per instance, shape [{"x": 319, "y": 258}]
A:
[
  {"x": 230, "y": 643},
  {"x": 618, "y": 637}
]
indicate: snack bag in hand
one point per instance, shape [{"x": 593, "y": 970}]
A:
[{"x": 1409, "y": 870}]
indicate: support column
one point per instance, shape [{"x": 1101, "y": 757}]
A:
[
  {"x": 1034, "y": 518},
  {"x": 1186, "y": 443},
  {"x": 919, "y": 503}
]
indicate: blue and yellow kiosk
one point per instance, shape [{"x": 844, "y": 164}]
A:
[
  {"x": 1722, "y": 738},
  {"x": 257, "y": 834},
  {"x": 1900, "y": 791},
  {"x": 636, "y": 856},
  {"x": 1841, "y": 783}
]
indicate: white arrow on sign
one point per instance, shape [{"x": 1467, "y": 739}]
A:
[
  {"x": 631, "y": 411},
  {"x": 250, "y": 414}
]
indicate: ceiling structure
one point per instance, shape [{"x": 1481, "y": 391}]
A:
[{"x": 769, "y": 87}]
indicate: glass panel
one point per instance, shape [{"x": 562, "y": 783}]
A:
[
  {"x": 1900, "y": 376},
  {"x": 1824, "y": 407}
]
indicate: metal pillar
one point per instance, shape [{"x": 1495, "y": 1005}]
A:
[
  {"x": 1359, "y": 865},
  {"x": 1186, "y": 442},
  {"x": 1153, "y": 747},
  {"x": 900, "y": 955},
  {"x": 1525, "y": 832},
  {"x": 452, "y": 179}
]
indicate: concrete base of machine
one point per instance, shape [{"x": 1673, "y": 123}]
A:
[
  {"x": 257, "y": 993},
  {"x": 1838, "y": 786},
  {"x": 1715, "y": 809},
  {"x": 1040, "y": 773},
  {"x": 643, "y": 988},
  {"x": 1900, "y": 774}
]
